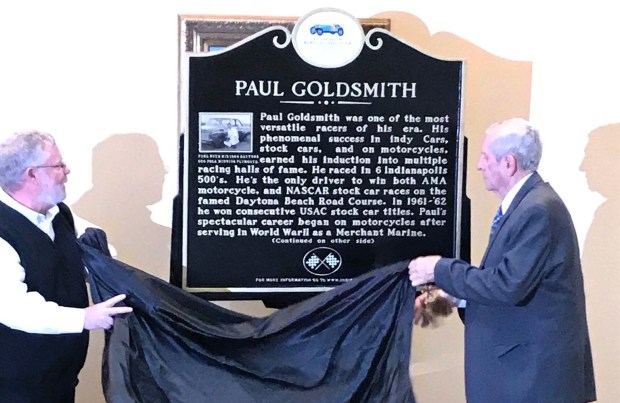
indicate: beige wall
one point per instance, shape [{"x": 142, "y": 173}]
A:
[{"x": 102, "y": 77}]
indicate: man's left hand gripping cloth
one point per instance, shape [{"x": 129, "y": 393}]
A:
[{"x": 349, "y": 344}]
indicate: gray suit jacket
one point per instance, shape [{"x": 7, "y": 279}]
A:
[{"x": 526, "y": 336}]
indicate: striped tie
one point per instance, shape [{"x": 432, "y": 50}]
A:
[{"x": 496, "y": 219}]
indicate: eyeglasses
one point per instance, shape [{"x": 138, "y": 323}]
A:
[{"x": 61, "y": 165}]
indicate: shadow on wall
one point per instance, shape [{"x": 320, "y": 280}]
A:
[
  {"x": 601, "y": 259},
  {"x": 128, "y": 175}
]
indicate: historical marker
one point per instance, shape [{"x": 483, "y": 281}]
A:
[{"x": 315, "y": 156}]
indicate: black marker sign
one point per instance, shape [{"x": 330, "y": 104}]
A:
[{"x": 299, "y": 178}]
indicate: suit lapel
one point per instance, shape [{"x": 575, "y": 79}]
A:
[{"x": 529, "y": 184}]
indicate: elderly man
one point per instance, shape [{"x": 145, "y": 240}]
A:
[
  {"x": 44, "y": 312},
  {"x": 526, "y": 335}
]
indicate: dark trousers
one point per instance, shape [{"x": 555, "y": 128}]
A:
[{"x": 13, "y": 391}]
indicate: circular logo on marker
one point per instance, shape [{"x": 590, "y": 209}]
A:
[
  {"x": 322, "y": 261},
  {"x": 328, "y": 38}
]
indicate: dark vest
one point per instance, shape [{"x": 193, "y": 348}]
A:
[{"x": 55, "y": 270}]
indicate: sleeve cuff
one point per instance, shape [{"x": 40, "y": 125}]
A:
[{"x": 71, "y": 320}]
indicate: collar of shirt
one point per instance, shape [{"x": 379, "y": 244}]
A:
[
  {"x": 510, "y": 196},
  {"x": 42, "y": 221}
]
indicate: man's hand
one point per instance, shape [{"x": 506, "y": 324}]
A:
[
  {"x": 100, "y": 316},
  {"x": 422, "y": 270}
]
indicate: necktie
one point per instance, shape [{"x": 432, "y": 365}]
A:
[{"x": 496, "y": 219}]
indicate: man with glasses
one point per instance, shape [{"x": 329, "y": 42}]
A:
[{"x": 44, "y": 312}]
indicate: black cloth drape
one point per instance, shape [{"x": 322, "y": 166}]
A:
[{"x": 350, "y": 344}]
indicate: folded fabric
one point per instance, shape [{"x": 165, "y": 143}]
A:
[{"x": 349, "y": 344}]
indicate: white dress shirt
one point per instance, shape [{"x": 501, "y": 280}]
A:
[{"x": 25, "y": 310}]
